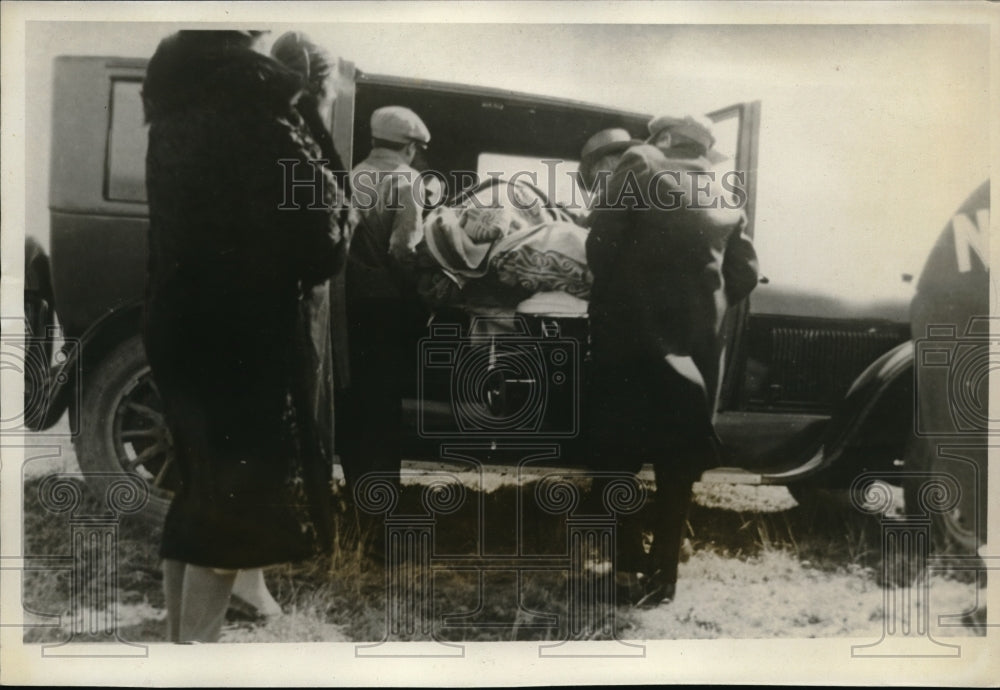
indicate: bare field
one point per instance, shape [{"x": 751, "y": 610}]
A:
[{"x": 760, "y": 567}]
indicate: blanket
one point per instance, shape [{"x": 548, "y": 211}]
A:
[{"x": 508, "y": 233}]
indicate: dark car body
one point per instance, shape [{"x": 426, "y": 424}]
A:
[{"x": 954, "y": 355}]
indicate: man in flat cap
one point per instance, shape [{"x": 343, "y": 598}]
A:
[
  {"x": 599, "y": 157},
  {"x": 684, "y": 138},
  {"x": 384, "y": 313},
  {"x": 398, "y": 136},
  {"x": 667, "y": 266}
]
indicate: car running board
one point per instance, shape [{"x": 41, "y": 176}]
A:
[{"x": 737, "y": 475}]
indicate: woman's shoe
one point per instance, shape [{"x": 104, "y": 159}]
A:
[
  {"x": 250, "y": 597},
  {"x": 242, "y": 610}
]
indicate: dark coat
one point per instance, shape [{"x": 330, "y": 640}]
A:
[
  {"x": 664, "y": 274},
  {"x": 237, "y": 322}
]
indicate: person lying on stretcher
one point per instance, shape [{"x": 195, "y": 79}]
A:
[{"x": 499, "y": 244}]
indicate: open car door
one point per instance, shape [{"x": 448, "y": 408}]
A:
[
  {"x": 343, "y": 111},
  {"x": 737, "y": 130}
]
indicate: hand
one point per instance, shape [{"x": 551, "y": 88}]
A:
[
  {"x": 489, "y": 224},
  {"x": 487, "y": 235}
]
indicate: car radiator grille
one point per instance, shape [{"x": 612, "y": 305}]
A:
[{"x": 817, "y": 366}]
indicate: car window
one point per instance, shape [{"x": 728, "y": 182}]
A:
[
  {"x": 726, "y": 125},
  {"x": 556, "y": 178},
  {"x": 726, "y": 132},
  {"x": 127, "y": 138}
]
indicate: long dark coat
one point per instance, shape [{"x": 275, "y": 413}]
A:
[
  {"x": 237, "y": 322},
  {"x": 664, "y": 274}
]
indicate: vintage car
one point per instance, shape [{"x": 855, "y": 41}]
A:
[{"x": 815, "y": 391}]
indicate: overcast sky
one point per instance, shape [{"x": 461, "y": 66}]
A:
[{"x": 871, "y": 135}]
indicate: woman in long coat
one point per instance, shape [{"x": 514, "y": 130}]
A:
[{"x": 236, "y": 272}]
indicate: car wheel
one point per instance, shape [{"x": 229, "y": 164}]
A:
[
  {"x": 952, "y": 531},
  {"x": 39, "y": 320},
  {"x": 122, "y": 428},
  {"x": 38, "y": 353}
]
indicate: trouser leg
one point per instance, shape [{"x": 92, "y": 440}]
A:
[
  {"x": 372, "y": 442},
  {"x": 630, "y": 556},
  {"x": 348, "y": 437},
  {"x": 670, "y": 511},
  {"x": 383, "y": 409},
  {"x": 614, "y": 411},
  {"x": 384, "y": 456},
  {"x": 371, "y": 422}
]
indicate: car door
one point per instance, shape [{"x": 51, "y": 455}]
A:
[
  {"x": 791, "y": 353},
  {"x": 737, "y": 129},
  {"x": 97, "y": 202}
]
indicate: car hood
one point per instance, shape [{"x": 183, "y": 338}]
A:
[{"x": 775, "y": 300}]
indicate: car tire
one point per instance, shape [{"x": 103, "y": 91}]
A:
[
  {"x": 38, "y": 357},
  {"x": 952, "y": 533},
  {"x": 122, "y": 428},
  {"x": 39, "y": 321},
  {"x": 959, "y": 531}
]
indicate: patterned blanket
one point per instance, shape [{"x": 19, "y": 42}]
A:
[{"x": 508, "y": 233}]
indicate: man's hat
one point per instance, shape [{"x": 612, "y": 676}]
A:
[
  {"x": 399, "y": 124},
  {"x": 607, "y": 141},
  {"x": 690, "y": 128},
  {"x": 613, "y": 140}
]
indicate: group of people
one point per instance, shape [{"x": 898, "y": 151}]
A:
[{"x": 259, "y": 312}]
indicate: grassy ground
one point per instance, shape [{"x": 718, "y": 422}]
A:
[{"x": 761, "y": 566}]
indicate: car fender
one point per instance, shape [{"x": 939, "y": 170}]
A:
[
  {"x": 873, "y": 390},
  {"x": 66, "y": 377},
  {"x": 865, "y": 396},
  {"x": 37, "y": 272}
]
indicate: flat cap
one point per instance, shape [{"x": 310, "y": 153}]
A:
[
  {"x": 690, "y": 128},
  {"x": 399, "y": 124}
]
